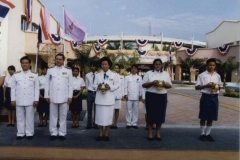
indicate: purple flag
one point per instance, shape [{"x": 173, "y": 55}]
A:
[{"x": 73, "y": 28}]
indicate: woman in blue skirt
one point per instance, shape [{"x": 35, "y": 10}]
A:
[
  {"x": 7, "y": 97},
  {"x": 156, "y": 82}
]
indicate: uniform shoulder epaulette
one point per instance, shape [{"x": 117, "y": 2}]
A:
[
  {"x": 51, "y": 67},
  {"x": 17, "y": 72}
]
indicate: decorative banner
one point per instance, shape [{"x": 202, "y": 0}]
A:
[
  {"x": 74, "y": 45},
  {"x": 142, "y": 52},
  {"x": 102, "y": 42},
  {"x": 191, "y": 52},
  {"x": 28, "y": 10},
  {"x": 5, "y": 6},
  {"x": 96, "y": 49},
  {"x": 223, "y": 50},
  {"x": 55, "y": 39},
  {"x": 178, "y": 44},
  {"x": 141, "y": 42}
]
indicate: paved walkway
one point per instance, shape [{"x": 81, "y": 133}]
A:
[{"x": 180, "y": 136}]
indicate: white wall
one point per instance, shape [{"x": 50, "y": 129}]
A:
[{"x": 226, "y": 32}]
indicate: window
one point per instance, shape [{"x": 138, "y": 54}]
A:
[
  {"x": 34, "y": 27},
  {"x": 24, "y": 24}
]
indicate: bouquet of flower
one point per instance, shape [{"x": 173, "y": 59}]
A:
[
  {"x": 215, "y": 87},
  {"x": 160, "y": 84},
  {"x": 103, "y": 89}
]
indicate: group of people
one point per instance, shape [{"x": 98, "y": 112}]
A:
[{"x": 59, "y": 89}]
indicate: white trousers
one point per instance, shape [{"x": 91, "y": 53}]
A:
[
  {"x": 25, "y": 120},
  {"x": 132, "y": 112},
  {"x": 58, "y": 111}
]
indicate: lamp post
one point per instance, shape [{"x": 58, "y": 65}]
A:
[
  {"x": 192, "y": 41},
  {"x": 161, "y": 39}
]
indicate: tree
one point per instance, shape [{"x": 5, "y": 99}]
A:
[
  {"x": 82, "y": 59},
  {"x": 167, "y": 64},
  {"x": 226, "y": 67},
  {"x": 191, "y": 63}
]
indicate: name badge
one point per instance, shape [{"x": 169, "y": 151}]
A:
[
  {"x": 31, "y": 78},
  {"x": 64, "y": 73}
]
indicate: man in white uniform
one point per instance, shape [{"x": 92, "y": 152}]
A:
[
  {"x": 58, "y": 92},
  {"x": 25, "y": 96}
]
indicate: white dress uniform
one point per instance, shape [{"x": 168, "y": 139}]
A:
[
  {"x": 119, "y": 93},
  {"x": 58, "y": 88},
  {"x": 133, "y": 89},
  {"x": 2, "y": 74},
  {"x": 78, "y": 83},
  {"x": 24, "y": 91},
  {"x": 105, "y": 102}
]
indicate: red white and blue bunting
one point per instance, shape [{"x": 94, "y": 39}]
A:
[
  {"x": 223, "y": 50},
  {"x": 28, "y": 10},
  {"x": 141, "y": 53},
  {"x": 178, "y": 44},
  {"x": 191, "y": 52},
  {"x": 97, "y": 49},
  {"x": 102, "y": 42},
  {"x": 141, "y": 42},
  {"x": 73, "y": 45},
  {"x": 55, "y": 39}
]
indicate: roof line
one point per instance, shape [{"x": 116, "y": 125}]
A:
[{"x": 234, "y": 21}]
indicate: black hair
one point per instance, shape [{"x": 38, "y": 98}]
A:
[
  {"x": 60, "y": 54},
  {"x": 75, "y": 68},
  {"x": 117, "y": 65},
  {"x": 44, "y": 67},
  {"x": 12, "y": 68},
  {"x": 105, "y": 59},
  {"x": 25, "y": 57},
  {"x": 93, "y": 63},
  {"x": 211, "y": 60},
  {"x": 134, "y": 65},
  {"x": 157, "y": 60}
]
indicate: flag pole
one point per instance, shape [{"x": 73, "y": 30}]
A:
[
  {"x": 36, "y": 58},
  {"x": 63, "y": 38}
]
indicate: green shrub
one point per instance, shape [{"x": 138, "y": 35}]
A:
[{"x": 231, "y": 92}]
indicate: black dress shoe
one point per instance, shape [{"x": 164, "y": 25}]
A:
[
  {"x": 209, "y": 138},
  {"x": 13, "y": 125},
  {"x": 29, "y": 137},
  {"x": 62, "y": 138},
  {"x": 106, "y": 138},
  {"x": 53, "y": 138},
  {"x": 202, "y": 138},
  {"x": 150, "y": 139},
  {"x": 95, "y": 126},
  {"x": 159, "y": 139},
  {"x": 112, "y": 127},
  {"x": 88, "y": 127},
  {"x": 128, "y": 127},
  {"x": 99, "y": 138},
  {"x": 19, "y": 137},
  {"x": 9, "y": 125},
  {"x": 135, "y": 127}
]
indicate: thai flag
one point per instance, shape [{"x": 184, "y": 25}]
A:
[
  {"x": 5, "y": 6},
  {"x": 28, "y": 10},
  {"x": 43, "y": 28}
]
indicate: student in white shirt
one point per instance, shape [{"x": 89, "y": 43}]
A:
[
  {"x": 76, "y": 106},
  {"x": 43, "y": 106},
  {"x": 209, "y": 83},
  {"x": 2, "y": 77},
  {"x": 7, "y": 96},
  {"x": 91, "y": 94},
  {"x": 119, "y": 95},
  {"x": 133, "y": 93}
]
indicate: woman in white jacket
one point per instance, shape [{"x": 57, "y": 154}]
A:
[
  {"x": 119, "y": 94},
  {"x": 106, "y": 83}
]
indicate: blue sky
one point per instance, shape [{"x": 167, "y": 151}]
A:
[{"x": 175, "y": 18}]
